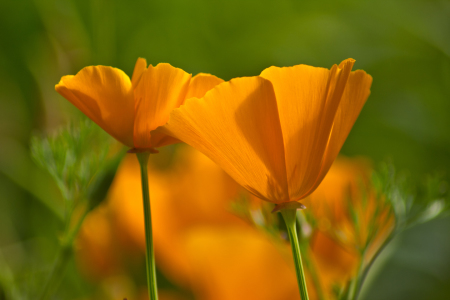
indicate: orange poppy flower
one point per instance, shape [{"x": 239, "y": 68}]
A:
[
  {"x": 130, "y": 109},
  {"x": 276, "y": 134}
]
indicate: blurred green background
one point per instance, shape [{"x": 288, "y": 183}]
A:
[{"x": 403, "y": 44}]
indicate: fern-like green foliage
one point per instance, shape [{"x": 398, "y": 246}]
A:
[{"x": 78, "y": 159}]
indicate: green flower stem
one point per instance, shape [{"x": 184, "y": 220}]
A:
[
  {"x": 364, "y": 271},
  {"x": 289, "y": 216},
  {"x": 62, "y": 258},
  {"x": 313, "y": 272},
  {"x": 150, "y": 258},
  {"x": 355, "y": 284}
]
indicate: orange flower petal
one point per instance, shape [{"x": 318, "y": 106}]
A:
[
  {"x": 308, "y": 99},
  {"x": 139, "y": 68},
  {"x": 105, "y": 95},
  {"x": 198, "y": 86},
  {"x": 202, "y": 83},
  {"x": 159, "y": 91},
  {"x": 355, "y": 95},
  {"x": 236, "y": 124}
]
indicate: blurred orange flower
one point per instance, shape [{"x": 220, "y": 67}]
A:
[
  {"x": 128, "y": 109},
  {"x": 199, "y": 243},
  {"x": 96, "y": 256},
  {"x": 203, "y": 247},
  {"x": 276, "y": 134},
  {"x": 351, "y": 220},
  {"x": 194, "y": 192},
  {"x": 239, "y": 262}
]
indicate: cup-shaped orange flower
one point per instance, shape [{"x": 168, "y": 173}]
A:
[
  {"x": 276, "y": 134},
  {"x": 129, "y": 109}
]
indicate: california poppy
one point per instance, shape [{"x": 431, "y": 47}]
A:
[
  {"x": 276, "y": 134},
  {"x": 130, "y": 109}
]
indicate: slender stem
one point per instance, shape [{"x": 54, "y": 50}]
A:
[
  {"x": 65, "y": 252},
  {"x": 63, "y": 256},
  {"x": 309, "y": 264},
  {"x": 355, "y": 284},
  {"x": 367, "y": 268},
  {"x": 314, "y": 276},
  {"x": 150, "y": 258},
  {"x": 289, "y": 216}
]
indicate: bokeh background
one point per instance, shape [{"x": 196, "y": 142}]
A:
[{"x": 404, "y": 45}]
